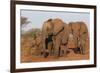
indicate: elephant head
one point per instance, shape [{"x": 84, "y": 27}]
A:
[
  {"x": 47, "y": 28},
  {"x": 80, "y": 33}
]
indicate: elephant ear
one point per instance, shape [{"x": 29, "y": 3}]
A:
[
  {"x": 84, "y": 29},
  {"x": 44, "y": 29},
  {"x": 57, "y": 25},
  {"x": 47, "y": 27}
]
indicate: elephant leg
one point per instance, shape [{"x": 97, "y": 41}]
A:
[
  {"x": 83, "y": 49},
  {"x": 78, "y": 47},
  {"x": 59, "y": 51},
  {"x": 57, "y": 47},
  {"x": 54, "y": 45},
  {"x": 46, "y": 52},
  {"x": 50, "y": 47},
  {"x": 67, "y": 50},
  {"x": 62, "y": 50},
  {"x": 57, "y": 44}
]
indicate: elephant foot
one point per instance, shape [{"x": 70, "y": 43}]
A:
[
  {"x": 67, "y": 52},
  {"x": 56, "y": 55},
  {"x": 60, "y": 55},
  {"x": 41, "y": 53},
  {"x": 83, "y": 53},
  {"x": 46, "y": 54},
  {"x": 77, "y": 50}
]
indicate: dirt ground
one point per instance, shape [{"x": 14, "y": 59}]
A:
[
  {"x": 70, "y": 56},
  {"x": 27, "y": 57}
]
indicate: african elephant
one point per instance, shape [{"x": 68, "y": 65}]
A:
[
  {"x": 80, "y": 33},
  {"x": 47, "y": 33},
  {"x": 55, "y": 31}
]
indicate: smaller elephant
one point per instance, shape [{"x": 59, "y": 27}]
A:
[
  {"x": 36, "y": 47},
  {"x": 80, "y": 32}
]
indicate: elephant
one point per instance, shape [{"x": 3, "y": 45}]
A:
[
  {"x": 47, "y": 34},
  {"x": 56, "y": 35},
  {"x": 36, "y": 47},
  {"x": 80, "y": 33},
  {"x": 54, "y": 31}
]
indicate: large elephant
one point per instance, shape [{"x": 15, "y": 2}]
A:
[
  {"x": 55, "y": 31},
  {"x": 47, "y": 33},
  {"x": 80, "y": 33}
]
